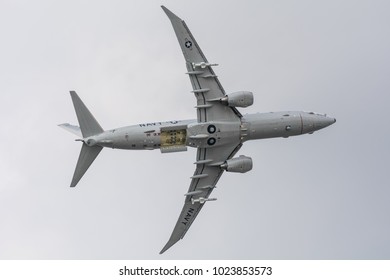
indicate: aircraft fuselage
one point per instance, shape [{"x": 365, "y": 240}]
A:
[{"x": 174, "y": 136}]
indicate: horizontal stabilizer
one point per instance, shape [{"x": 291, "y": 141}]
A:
[
  {"x": 87, "y": 156},
  {"x": 88, "y": 124},
  {"x": 71, "y": 128}
]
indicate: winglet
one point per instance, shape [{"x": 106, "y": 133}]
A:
[
  {"x": 187, "y": 42},
  {"x": 170, "y": 243},
  {"x": 186, "y": 218},
  {"x": 171, "y": 15}
]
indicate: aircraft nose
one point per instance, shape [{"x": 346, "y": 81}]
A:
[
  {"x": 330, "y": 121},
  {"x": 313, "y": 121},
  {"x": 324, "y": 121}
]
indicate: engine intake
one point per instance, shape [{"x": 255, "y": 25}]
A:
[
  {"x": 238, "y": 99},
  {"x": 242, "y": 164}
]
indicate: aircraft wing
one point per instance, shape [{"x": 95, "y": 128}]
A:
[
  {"x": 206, "y": 86},
  {"x": 208, "y": 92},
  {"x": 204, "y": 180}
]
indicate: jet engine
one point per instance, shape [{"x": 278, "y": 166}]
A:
[
  {"x": 238, "y": 99},
  {"x": 241, "y": 164}
]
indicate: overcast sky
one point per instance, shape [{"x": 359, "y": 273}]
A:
[{"x": 320, "y": 196}]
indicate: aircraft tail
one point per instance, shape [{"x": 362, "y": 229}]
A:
[
  {"x": 88, "y": 127},
  {"x": 87, "y": 156},
  {"x": 88, "y": 124},
  {"x": 71, "y": 128}
]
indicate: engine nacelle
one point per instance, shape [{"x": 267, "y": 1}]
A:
[
  {"x": 241, "y": 164},
  {"x": 239, "y": 99}
]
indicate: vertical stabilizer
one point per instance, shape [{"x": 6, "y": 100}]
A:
[
  {"x": 88, "y": 124},
  {"x": 87, "y": 156}
]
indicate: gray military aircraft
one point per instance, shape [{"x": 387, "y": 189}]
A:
[{"x": 218, "y": 132}]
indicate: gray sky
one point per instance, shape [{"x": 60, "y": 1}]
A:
[{"x": 320, "y": 196}]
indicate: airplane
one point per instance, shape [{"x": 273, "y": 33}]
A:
[{"x": 217, "y": 133}]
